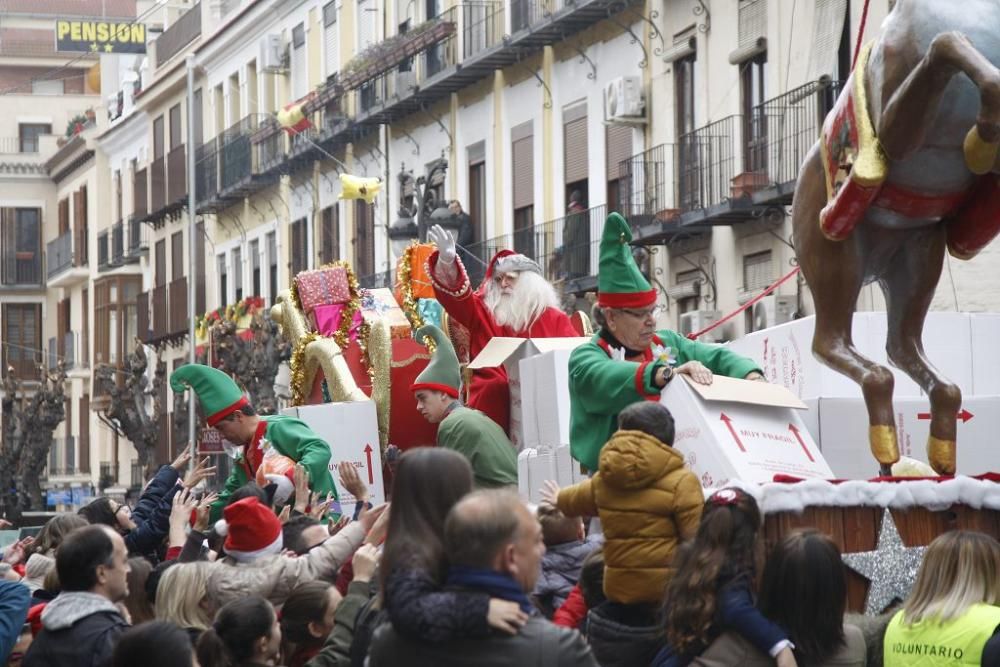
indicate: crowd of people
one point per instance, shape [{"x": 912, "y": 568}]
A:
[{"x": 452, "y": 573}]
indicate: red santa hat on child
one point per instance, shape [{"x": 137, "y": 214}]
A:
[{"x": 251, "y": 530}]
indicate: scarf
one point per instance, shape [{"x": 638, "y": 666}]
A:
[
  {"x": 496, "y": 584},
  {"x": 610, "y": 339}
]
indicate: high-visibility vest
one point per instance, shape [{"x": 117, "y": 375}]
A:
[{"x": 929, "y": 643}]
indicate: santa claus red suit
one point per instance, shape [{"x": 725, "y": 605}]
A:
[{"x": 514, "y": 300}]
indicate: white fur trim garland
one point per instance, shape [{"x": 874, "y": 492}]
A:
[{"x": 929, "y": 494}]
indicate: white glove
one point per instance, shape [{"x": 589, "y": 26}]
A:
[
  {"x": 444, "y": 241},
  {"x": 285, "y": 488}
]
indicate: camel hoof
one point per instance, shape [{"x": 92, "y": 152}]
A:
[
  {"x": 980, "y": 155},
  {"x": 885, "y": 447},
  {"x": 941, "y": 455}
]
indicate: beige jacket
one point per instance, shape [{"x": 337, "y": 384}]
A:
[
  {"x": 732, "y": 649},
  {"x": 274, "y": 577}
]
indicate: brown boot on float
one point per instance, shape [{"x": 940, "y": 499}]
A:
[
  {"x": 884, "y": 445},
  {"x": 941, "y": 454}
]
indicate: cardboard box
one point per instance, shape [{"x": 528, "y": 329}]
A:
[
  {"x": 739, "y": 429},
  {"x": 351, "y": 430},
  {"x": 545, "y": 398},
  {"x": 984, "y": 332},
  {"x": 785, "y": 355},
  {"x": 844, "y": 434},
  {"x": 524, "y": 472},
  {"x": 508, "y": 352}
]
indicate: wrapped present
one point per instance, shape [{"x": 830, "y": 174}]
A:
[
  {"x": 420, "y": 282},
  {"x": 431, "y": 311},
  {"x": 328, "y": 318},
  {"x": 273, "y": 463},
  {"x": 381, "y": 304},
  {"x": 322, "y": 287}
]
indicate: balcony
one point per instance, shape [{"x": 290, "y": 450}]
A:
[
  {"x": 237, "y": 163},
  {"x": 137, "y": 240},
  {"x": 117, "y": 244},
  {"x": 566, "y": 249},
  {"x": 206, "y": 174},
  {"x": 157, "y": 186},
  {"x": 109, "y": 475},
  {"x": 179, "y": 320},
  {"x": 159, "y": 308},
  {"x": 64, "y": 268},
  {"x": 177, "y": 177},
  {"x": 21, "y": 268},
  {"x": 181, "y": 33}
]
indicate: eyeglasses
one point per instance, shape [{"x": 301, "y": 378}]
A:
[{"x": 644, "y": 313}]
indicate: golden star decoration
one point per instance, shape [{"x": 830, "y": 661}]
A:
[
  {"x": 93, "y": 46},
  {"x": 108, "y": 48}
]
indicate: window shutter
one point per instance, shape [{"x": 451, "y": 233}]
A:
[
  {"x": 757, "y": 271},
  {"x": 828, "y": 25},
  {"x": 330, "y": 55},
  {"x": 575, "y": 144},
  {"x": 618, "y": 141},
  {"x": 298, "y": 61},
  {"x": 523, "y": 164}
]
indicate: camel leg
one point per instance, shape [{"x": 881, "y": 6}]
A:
[
  {"x": 910, "y": 111},
  {"x": 908, "y": 285},
  {"x": 835, "y": 273}
]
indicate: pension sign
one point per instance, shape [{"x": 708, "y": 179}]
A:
[{"x": 100, "y": 36}]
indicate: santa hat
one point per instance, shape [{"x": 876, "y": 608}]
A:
[
  {"x": 218, "y": 394},
  {"x": 251, "y": 530},
  {"x": 620, "y": 284},
  {"x": 507, "y": 261},
  {"x": 443, "y": 373}
]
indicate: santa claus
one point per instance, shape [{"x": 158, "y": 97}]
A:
[{"x": 514, "y": 300}]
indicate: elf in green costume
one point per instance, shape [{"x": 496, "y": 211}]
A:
[
  {"x": 628, "y": 360},
  {"x": 469, "y": 432},
  {"x": 230, "y": 413}
]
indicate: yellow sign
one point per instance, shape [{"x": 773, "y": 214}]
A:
[{"x": 100, "y": 36}]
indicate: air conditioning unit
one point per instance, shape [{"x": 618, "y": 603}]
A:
[
  {"x": 696, "y": 320},
  {"x": 272, "y": 55},
  {"x": 771, "y": 311},
  {"x": 623, "y": 99}
]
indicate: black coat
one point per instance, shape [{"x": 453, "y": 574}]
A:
[{"x": 78, "y": 630}]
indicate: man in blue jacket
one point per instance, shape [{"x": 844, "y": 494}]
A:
[{"x": 14, "y": 600}]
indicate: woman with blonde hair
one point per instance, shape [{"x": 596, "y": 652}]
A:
[
  {"x": 951, "y": 616},
  {"x": 182, "y": 598}
]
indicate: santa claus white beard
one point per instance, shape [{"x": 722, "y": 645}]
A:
[{"x": 520, "y": 309}]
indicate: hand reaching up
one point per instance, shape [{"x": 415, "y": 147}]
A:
[
  {"x": 365, "y": 561},
  {"x": 350, "y": 480},
  {"x": 550, "y": 493},
  {"x": 370, "y": 516},
  {"x": 444, "y": 241},
  {"x": 199, "y": 473}
]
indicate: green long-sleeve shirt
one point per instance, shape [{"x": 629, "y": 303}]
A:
[
  {"x": 600, "y": 387},
  {"x": 479, "y": 439},
  {"x": 293, "y": 438}
]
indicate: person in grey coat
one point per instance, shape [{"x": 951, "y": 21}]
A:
[
  {"x": 494, "y": 545},
  {"x": 565, "y": 551}
]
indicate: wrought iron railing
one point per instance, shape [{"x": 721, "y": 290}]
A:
[
  {"x": 22, "y": 267},
  {"x": 443, "y": 54},
  {"x": 117, "y": 243},
  {"x": 483, "y": 26},
  {"x": 59, "y": 254},
  {"x": 103, "y": 250},
  {"x": 137, "y": 241},
  {"x": 235, "y": 155},
  {"x": 207, "y": 171},
  {"x": 782, "y": 130},
  {"x": 140, "y": 193},
  {"x": 648, "y": 183},
  {"x": 526, "y": 13},
  {"x": 707, "y": 159}
]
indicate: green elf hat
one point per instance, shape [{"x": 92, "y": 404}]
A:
[
  {"x": 620, "y": 284},
  {"x": 443, "y": 373},
  {"x": 218, "y": 394}
]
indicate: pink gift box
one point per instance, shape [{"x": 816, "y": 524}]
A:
[
  {"x": 322, "y": 287},
  {"x": 326, "y": 319}
]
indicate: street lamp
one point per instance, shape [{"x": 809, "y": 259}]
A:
[{"x": 419, "y": 208}]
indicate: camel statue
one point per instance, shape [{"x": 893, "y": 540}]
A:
[{"x": 906, "y": 170}]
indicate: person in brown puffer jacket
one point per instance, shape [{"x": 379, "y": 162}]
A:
[{"x": 648, "y": 504}]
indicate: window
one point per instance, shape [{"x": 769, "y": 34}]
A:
[
  {"x": 330, "y": 235},
  {"x": 255, "y": 268},
  {"x": 272, "y": 266},
  {"x": 238, "y": 272},
  {"x": 299, "y": 75},
  {"x": 524, "y": 222},
  {"x": 158, "y": 138},
  {"x": 330, "y": 56},
  {"x": 115, "y": 317},
  {"x": 21, "y": 246},
  {"x": 689, "y": 303},
  {"x": 29, "y": 134},
  {"x": 523, "y": 176},
  {"x": 618, "y": 148},
  {"x": 757, "y": 271},
  {"x": 176, "y": 134},
  {"x": 160, "y": 270},
  {"x": 368, "y": 18},
  {"x": 22, "y": 335},
  {"x": 223, "y": 280},
  {"x": 689, "y": 157},
  {"x": 85, "y": 329},
  {"x": 80, "y": 233},
  {"x": 177, "y": 255},
  {"x": 298, "y": 259},
  {"x": 575, "y": 163},
  {"x": 752, "y": 93},
  {"x": 200, "y": 268}
]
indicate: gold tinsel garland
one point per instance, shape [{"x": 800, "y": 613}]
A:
[
  {"x": 404, "y": 279},
  {"x": 297, "y": 365}
]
